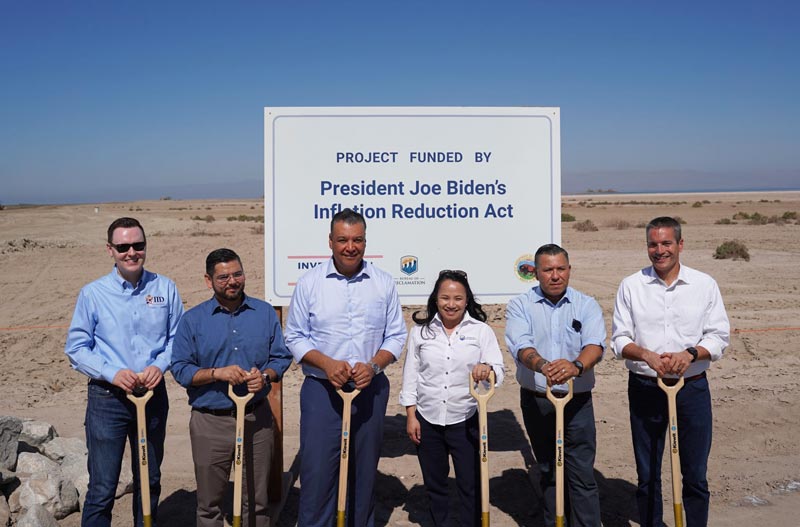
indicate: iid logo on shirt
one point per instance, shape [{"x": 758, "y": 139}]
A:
[{"x": 155, "y": 301}]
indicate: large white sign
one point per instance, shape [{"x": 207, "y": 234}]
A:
[{"x": 476, "y": 189}]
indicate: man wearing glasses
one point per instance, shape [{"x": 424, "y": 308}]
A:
[
  {"x": 121, "y": 338},
  {"x": 230, "y": 339},
  {"x": 345, "y": 324}
]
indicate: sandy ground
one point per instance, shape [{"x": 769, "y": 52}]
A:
[{"x": 47, "y": 253}]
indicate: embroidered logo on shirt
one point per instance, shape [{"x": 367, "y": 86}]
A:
[{"x": 151, "y": 300}]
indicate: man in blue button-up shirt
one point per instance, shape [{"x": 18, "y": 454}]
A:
[
  {"x": 121, "y": 338},
  {"x": 555, "y": 334},
  {"x": 345, "y": 323},
  {"x": 229, "y": 339}
]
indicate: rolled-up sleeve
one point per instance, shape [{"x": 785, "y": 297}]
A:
[
  {"x": 408, "y": 393},
  {"x": 519, "y": 330},
  {"x": 717, "y": 328},
  {"x": 395, "y": 334},
  {"x": 622, "y": 328}
]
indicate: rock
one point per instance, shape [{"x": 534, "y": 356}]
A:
[
  {"x": 37, "y": 516},
  {"x": 73, "y": 468},
  {"x": 50, "y": 490},
  {"x": 7, "y": 477},
  {"x": 35, "y": 434},
  {"x": 5, "y": 512},
  {"x": 10, "y": 428},
  {"x": 60, "y": 448},
  {"x": 30, "y": 463}
]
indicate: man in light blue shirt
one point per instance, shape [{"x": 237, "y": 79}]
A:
[
  {"x": 121, "y": 338},
  {"x": 345, "y": 324},
  {"x": 555, "y": 334}
]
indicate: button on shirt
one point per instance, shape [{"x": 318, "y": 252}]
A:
[
  {"x": 210, "y": 336},
  {"x": 669, "y": 319},
  {"x": 533, "y": 321},
  {"x": 117, "y": 325},
  {"x": 438, "y": 368},
  {"x": 347, "y": 319}
]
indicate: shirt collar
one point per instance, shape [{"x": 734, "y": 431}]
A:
[
  {"x": 124, "y": 284},
  {"x": 464, "y": 321},
  {"x": 539, "y": 297},
  {"x": 650, "y": 276},
  {"x": 331, "y": 272},
  {"x": 216, "y": 307}
]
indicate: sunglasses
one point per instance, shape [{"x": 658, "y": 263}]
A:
[
  {"x": 457, "y": 272},
  {"x": 125, "y": 247}
]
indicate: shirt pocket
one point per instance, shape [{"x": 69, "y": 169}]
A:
[
  {"x": 375, "y": 315},
  {"x": 573, "y": 341}
]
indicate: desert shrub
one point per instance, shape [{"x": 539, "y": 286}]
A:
[
  {"x": 586, "y": 226},
  {"x": 166, "y": 198},
  {"x": 641, "y": 225},
  {"x": 706, "y": 202},
  {"x": 697, "y": 204},
  {"x": 208, "y": 219},
  {"x": 758, "y": 219},
  {"x": 245, "y": 217},
  {"x": 741, "y": 216},
  {"x": 788, "y": 215},
  {"x": 732, "y": 249},
  {"x": 257, "y": 229},
  {"x": 567, "y": 217},
  {"x": 679, "y": 220},
  {"x": 725, "y": 221},
  {"x": 619, "y": 224}
]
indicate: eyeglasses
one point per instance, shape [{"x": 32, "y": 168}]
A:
[
  {"x": 457, "y": 272},
  {"x": 224, "y": 278},
  {"x": 125, "y": 247}
]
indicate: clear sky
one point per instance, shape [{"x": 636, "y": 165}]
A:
[{"x": 121, "y": 100}]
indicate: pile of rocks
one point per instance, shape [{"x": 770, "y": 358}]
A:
[{"x": 43, "y": 477}]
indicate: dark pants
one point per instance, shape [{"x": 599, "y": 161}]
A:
[
  {"x": 438, "y": 443},
  {"x": 581, "y": 495},
  {"x": 110, "y": 422},
  {"x": 649, "y": 419},
  {"x": 320, "y": 442}
]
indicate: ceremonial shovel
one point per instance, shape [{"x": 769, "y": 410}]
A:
[
  {"x": 675, "y": 457},
  {"x": 241, "y": 407},
  {"x": 560, "y": 403},
  {"x": 347, "y": 397},
  {"x": 139, "y": 398},
  {"x": 483, "y": 429}
]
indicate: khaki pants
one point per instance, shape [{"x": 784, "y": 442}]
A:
[{"x": 212, "y": 439}]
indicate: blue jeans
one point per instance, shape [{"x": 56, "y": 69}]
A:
[
  {"x": 649, "y": 419},
  {"x": 110, "y": 422},
  {"x": 320, "y": 443},
  {"x": 581, "y": 494}
]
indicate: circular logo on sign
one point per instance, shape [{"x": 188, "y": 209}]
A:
[{"x": 525, "y": 267}]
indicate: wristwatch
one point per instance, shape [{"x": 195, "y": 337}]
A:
[
  {"x": 693, "y": 352},
  {"x": 578, "y": 364},
  {"x": 375, "y": 368},
  {"x": 266, "y": 377}
]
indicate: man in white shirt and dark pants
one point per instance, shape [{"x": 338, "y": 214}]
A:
[{"x": 669, "y": 321}]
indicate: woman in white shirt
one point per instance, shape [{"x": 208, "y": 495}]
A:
[{"x": 450, "y": 346}]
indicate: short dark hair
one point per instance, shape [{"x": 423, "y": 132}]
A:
[
  {"x": 664, "y": 221},
  {"x": 473, "y": 307},
  {"x": 220, "y": 256},
  {"x": 124, "y": 223},
  {"x": 350, "y": 217},
  {"x": 550, "y": 249}
]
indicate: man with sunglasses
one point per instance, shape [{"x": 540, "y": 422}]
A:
[
  {"x": 121, "y": 338},
  {"x": 345, "y": 324},
  {"x": 230, "y": 339}
]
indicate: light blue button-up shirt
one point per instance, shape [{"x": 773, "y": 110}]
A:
[
  {"x": 346, "y": 319},
  {"x": 532, "y": 321},
  {"x": 117, "y": 326}
]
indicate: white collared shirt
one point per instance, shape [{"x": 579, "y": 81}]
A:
[
  {"x": 438, "y": 368},
  {"x": 669, "y": 319}
]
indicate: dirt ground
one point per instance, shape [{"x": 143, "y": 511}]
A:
[{"x": 47, "y": 253}]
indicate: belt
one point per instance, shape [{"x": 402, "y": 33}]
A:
[
  {"x": 230, "y": 411},
  {"x": 543, "y": 395},
  {"x": 655, "y": 379},
  {"x": 108, "y": 386}
]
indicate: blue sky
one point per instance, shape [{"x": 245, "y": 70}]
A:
[{"x": 113, "y": 100}]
